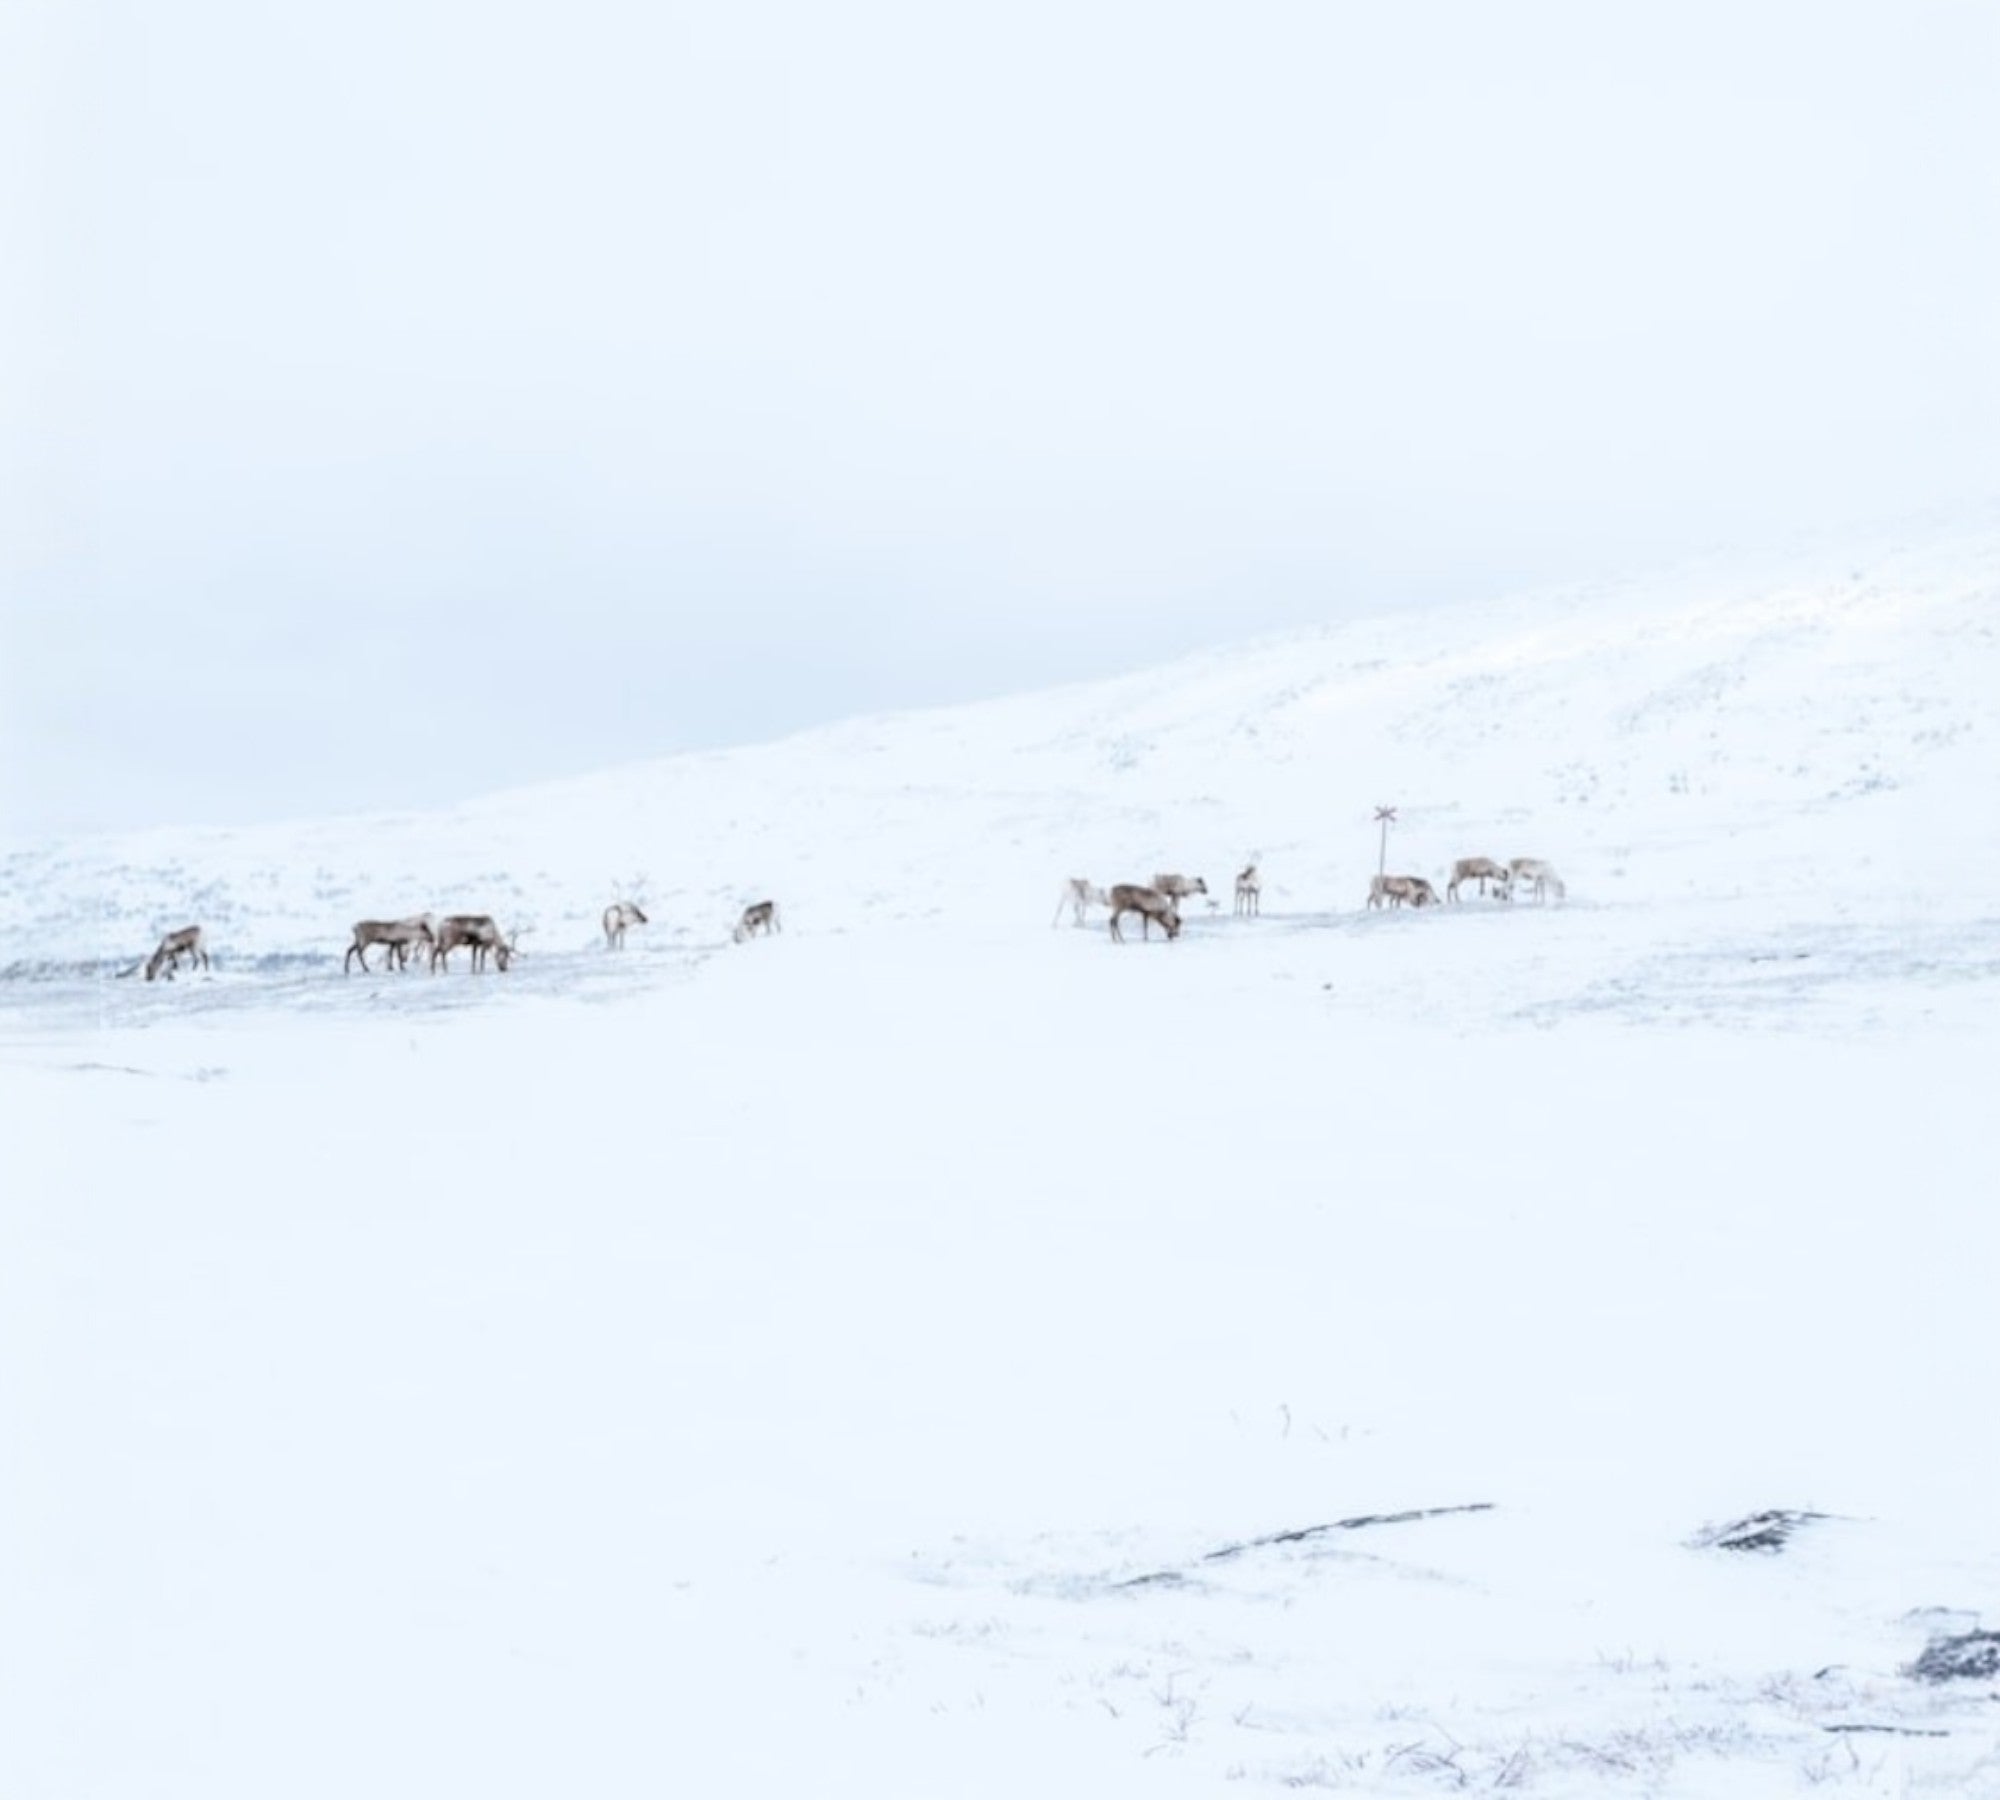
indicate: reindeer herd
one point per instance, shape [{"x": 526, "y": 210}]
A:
[
  {"x": 1157, "y": 903},
  {"x": 1160, "y": 903},
  {"x": 426, "y": 935}
]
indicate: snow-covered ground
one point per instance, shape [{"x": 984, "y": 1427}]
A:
[{"x": 916, "y": 1353}]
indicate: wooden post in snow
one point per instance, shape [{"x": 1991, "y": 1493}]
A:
[{"x": 1385, "y": 816}]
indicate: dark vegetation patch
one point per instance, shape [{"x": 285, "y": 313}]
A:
[
  {"x": 1971, "y": 1656},
  {"x": 1765, "y": 1532}
]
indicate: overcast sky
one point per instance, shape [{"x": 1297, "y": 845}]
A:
[{"x": 400, "y": 400}]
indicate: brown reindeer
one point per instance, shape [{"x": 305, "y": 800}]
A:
[
  {"x": 1481, "y": 869},
  {"x": 1398, "y": 890},
  {"x": 618, "y": 916},
  {"x": 1249, "y": 893},
  {"x": 479, "y": 934},
  {"x": 761, "y": 917},
  {"x": 1149, "y": 904},
  {"x": 397, "y": 936},
  {"x": 176, "y": 944},
  {"x": 1077, "y": 894}
]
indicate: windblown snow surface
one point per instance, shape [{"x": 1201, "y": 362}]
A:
[{"x": 935, "y": 1352}]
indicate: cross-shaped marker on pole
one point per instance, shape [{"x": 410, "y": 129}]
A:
[{"x": 1385, "y": 816}]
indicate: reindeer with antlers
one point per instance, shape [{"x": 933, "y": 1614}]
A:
[
  {"x": 620, "y": 916},
  {"x": 1249, "y": 893},
  {"x": 627, "y": 909}
]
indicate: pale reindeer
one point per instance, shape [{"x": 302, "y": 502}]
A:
[
  {"x": 176, "y": 944},
  {"x": 1481, "y": 869},
  {"x": 1249, "y": 893},
  {"x": 618, "y": 917},
  {"x": 1179, "y": 887},
  {"x": 1149, "y": 904},
  {"x": 479, "y": 934},
  {"x": 1400, "y": 890},
  {"x": 397, "y": 936},
  {"x": 1539, "y": 875},
  {"x": 1077, "y": 895},
  {"x": 761, "y": 917}
]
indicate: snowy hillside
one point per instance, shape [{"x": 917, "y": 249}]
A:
[
  {"x": 1825, "y": 739},
  {"x": 1515, "y": 1348}
]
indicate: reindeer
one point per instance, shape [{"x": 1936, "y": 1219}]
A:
[
  {"x": 1396, "y": 890},
  {"x": 479, "y": 934},
  {"x": 761, "y": 917},
  {"x": 1249, "y": 893},
  {"x": 397, "y": 936},
  {"x": 1539, "y": 875},
  {"x": 1149, "y": 904},
  {"x": 1481, "y": 869},
  {"x": 176, "y": 944},
  {"x": 1179, "y": 887},
  {"x": 617, "y": 917},
  {"x": 1077, "y": 894}
]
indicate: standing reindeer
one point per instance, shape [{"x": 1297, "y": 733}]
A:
[
  {"x": 1149, "y": 904},
  {"x": 619, "y": 915},
  {"x": 1398, "y": 890},
  {"x": 1539, "y": 875},
  {"x": 1249, "y": 893},
  {"x": 398, "y": 938},
  {"x": 479, "y": 934},
  {"x": 176, "y": 944},
  {"x": 1481, "y": 869},
  {"x": 1179, "y": 887},
  {"x": 761, "y": 917},
  {"x": 1077, "y": 894}
]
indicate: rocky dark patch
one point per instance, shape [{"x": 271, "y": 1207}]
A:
[
  {"x": 1971, "y": 1656},
  {"x": 1763, "y": 1532}
]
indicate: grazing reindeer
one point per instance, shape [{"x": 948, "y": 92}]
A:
[
  {"x": 479, "y": 934},
  {"x": 1396, "y": 890},
  {"x": 1077, "y": 894},
  {"x": 176, "y": 944},
  {"x": 397, "y": 936},
  {"x": 761, "y": 917},
  {"x": 1179, "y": 887},
  {"x": 1249, "y": 893},
  {"x": 1539, "y": 875},
  {"x": 617, "y": 917},
  {"x": 1481, "y": 869},
  {"x": 1149, "y": 904}
]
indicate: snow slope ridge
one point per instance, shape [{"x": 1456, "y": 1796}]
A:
[{"x": 1694, "y": 737}]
